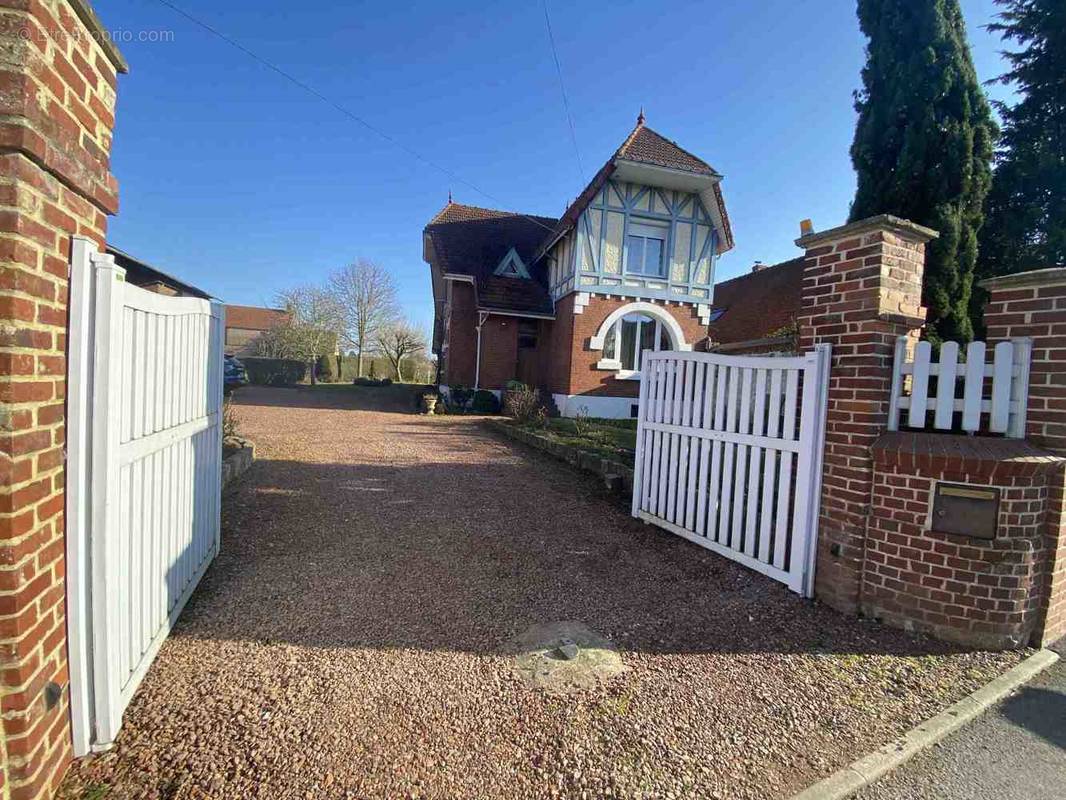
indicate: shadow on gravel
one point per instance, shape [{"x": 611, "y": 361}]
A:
[
  {"x": 459, "y": 556},
  {"x": 398, "y": 398}
]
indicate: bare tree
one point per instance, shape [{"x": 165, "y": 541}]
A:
[
  {"x": 312, "y": 329},
  {"x": 398, "y": 341},
  {"x": 366, "y": 296}
]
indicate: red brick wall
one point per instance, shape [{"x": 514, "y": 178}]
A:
[
  {"x": 1034, "y": 304},
  {"x": 861, "y": 290},
  {"x": 57, "y": 101},
  {"x": 558, "y": 354},
  {"x": 499, "y": 351},
  {"x": 584, "y": 378},
  {"x": 462, "y": 337},
  {"x": 979, "y": 592}
]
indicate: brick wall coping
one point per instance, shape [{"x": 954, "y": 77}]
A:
[
  {"x": 898, "y": 225},
  {"x": 99, "y": 33},
  {"x": 1020, "y": 280},
  {"x": 963, "y": 454}
]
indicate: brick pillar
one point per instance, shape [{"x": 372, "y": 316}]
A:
[
  {"x": 57, "y": 101},
  {"x": 1034, "y": 304},
  {"x": 862, "y": 288}
]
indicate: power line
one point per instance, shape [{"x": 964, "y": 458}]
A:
[
  {"x": 343, "y": 110},
  {"x": 562, "y": 88}
]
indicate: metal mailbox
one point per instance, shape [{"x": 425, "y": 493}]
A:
[{"x": 965, "y": 510}]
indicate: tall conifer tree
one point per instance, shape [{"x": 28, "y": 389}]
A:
[
  {"x": 1026, "y": 210},
  {"x": 923, "y": 143}
]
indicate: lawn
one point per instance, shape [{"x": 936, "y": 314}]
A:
[{"x": 610, "y": 438}]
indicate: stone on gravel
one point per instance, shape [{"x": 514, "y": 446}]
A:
[{"x": 565, "y": 657}]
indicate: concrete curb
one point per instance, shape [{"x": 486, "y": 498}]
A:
[{"x": 845, "y": 782}]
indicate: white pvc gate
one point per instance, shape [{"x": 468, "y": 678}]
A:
[
  {"x": 143, "y": 479},
  {"x": 729, "y": 455}
]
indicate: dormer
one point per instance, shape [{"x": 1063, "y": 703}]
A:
[{"x": 651, "y": 224}]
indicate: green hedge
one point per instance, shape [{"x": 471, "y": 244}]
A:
[{"x": 274, "y": 371}]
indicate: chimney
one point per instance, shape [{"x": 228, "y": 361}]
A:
[
  {"x": 806, "y": 227},
  {"x": 758, "y": 266}
]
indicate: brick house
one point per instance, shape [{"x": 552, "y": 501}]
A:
[
  {"x": 245, "y": 324},
  {"x": 570, "y": 304},
  {"x": 757, "y": 311}
]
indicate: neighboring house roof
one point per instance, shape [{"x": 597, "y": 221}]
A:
[
  {"x": 254, "y": 318},
  {"x": 468, "y": 240},
  {"x": 139, "y": 273},
  {"x": 642, "y": 146},
  {"x": 755, "y": 305}
]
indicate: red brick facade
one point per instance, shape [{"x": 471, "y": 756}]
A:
[
  {"x": 981, "y": 592},
  {"x": 879, "y": 552},
  {"x": 585, "y": 378},
  {"x": 563, "y": 362},
  {"x": 861, "y": 290},
  {"x": 57, "y": 93},
  {"x": 1034, "y": 304}
]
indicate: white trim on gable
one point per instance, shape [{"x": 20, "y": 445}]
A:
[{"x": 512, "y": 266}]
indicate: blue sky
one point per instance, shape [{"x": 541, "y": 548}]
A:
[{"x": 239, "y": 182}]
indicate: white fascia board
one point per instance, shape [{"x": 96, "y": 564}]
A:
[{"x": 497, "y": 312}]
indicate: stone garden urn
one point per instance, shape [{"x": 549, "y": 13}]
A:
[{"x": 429, "y": 402}]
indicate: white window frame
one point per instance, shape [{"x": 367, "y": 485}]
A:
[
  {"x": 622, "y": 373},
  {"x": 648, "y": 229},
  {"x": 665, "y": 321}
]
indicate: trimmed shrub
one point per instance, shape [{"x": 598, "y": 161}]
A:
[
  {"x": 460, "y": 396},
  {"x": 485, "y": 402},
  {"x": 326, "y": 369},
  {"x": 274, "y": 371}
]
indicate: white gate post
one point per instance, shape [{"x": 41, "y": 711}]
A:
[
  {"x": 104, "y": 490},
  {"x": 79, "y": 383},
  {"x": 823, "y": 356},
  {"x": 218, "y": 369}
]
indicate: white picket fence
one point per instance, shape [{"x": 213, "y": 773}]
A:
[
  {"x": 143, "y": 479},
  {"x": 995, "y": 394},
  {"x": 729, "y": 455}
]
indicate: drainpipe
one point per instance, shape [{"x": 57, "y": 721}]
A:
[{"x": 481, "y": 317}]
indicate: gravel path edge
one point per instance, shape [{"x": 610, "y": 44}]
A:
[{"x": 850, "y": 779}]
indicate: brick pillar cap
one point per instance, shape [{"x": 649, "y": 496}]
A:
[
  {"x": 1019, "y": 280},
  {"x": 884, "y": 222},
  {"x": 101, "y": 35}
]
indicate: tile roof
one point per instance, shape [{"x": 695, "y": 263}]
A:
[
  {"x": 757, "y": 304},
  {"x": 469, "y": 240},
  {"x": 514, "y": 294},
  {"x": 254, "y": 318},
  {"x": 140, "y": 273},
  {"x": 648, "y": 147}
]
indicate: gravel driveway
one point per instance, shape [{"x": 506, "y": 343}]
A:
[{"x": 353, "y": 638}]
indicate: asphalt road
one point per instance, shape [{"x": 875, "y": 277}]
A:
[{"x": 1016, "y": 751}]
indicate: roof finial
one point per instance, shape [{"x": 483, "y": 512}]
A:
[
  {"x": 640, "y": 116},
  {"x": 449, "y": 195}
]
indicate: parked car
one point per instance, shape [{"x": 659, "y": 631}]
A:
[{"x": 235, "y": 375}]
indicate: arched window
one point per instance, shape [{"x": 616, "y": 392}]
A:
[
  {"x": 629, "y": 331},
  {"x": 630, "y": 336}
]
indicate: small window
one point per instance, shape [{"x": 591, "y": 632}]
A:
[
  {"x": 716, "y": 314},
  {"x": 527, "y": 334},
  {"x": 646, "y": 249}
]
